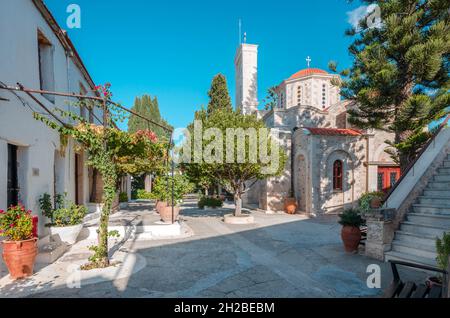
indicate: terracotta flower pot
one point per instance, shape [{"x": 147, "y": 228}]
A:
[
  {"x": 351, "y": 236},
  {"x": 19, "y": 257},
  {"x": 166, "y": 213},
  {"x": 290, "y": 205},
  {"x": 160, "y": 205}
]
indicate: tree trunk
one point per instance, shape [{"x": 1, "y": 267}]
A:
[{"x": 238, "y": 203}]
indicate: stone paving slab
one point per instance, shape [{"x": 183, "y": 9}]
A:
[{"x": 278, "y": 256}]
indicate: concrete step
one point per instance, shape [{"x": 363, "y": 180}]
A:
[
  {"x": 431, "y": 209},
  {"x": 439, "y": 185},
  {"x": 442, "y": 178},
  {"x": 418, "y": 250},
  {"x": 423, "y": 229},
  {"x": 443, "y": 171},
  {"x": 447, "y": 164},
  {"x": 398, "y": 256},
  {"x": 427, "y": 200},
  {"x": 437, "y": 193},
  {"x": 430, "y": 219},
  {"x": 412, "y": 238}
]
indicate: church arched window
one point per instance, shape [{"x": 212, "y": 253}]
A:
[
  {"x": 338, "y": 172},
  {"x": 299, "y": 95}
]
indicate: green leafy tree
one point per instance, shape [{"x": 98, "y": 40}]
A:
[
  {"x": 147, "y": 107},
  {"x": 108, "y": 151},
  {"x": 237, "y": 170},
  {"x": 399, "y": 78},
  {"x": 271, "y": 100},
  {"x": 219, "y": 98}
]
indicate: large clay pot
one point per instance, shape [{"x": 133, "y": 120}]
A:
[
  {"x": 290, "y": 205},
  {"x": 351, "y": 236},
  {"x": 160, "y": 205},
  {"x": 166, "y": 213},
  {"x": 67, "y": 234},
  {"x": 19, "y": 257}
]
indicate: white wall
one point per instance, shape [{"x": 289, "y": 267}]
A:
[{"x": 37, "y": 143}]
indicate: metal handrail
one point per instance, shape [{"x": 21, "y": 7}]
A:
[{"x": 413, "y": 163}]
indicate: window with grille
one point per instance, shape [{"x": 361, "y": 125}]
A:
[{"x": 337, "y": 175}]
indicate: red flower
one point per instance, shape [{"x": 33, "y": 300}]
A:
[
  {"x": 2, "y": 212},
  {"x": 12, "y": 225}
]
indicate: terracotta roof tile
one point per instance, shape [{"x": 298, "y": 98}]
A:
[
  {"x": 307, "y": 72},
  {"x": 334, "y": 132}
]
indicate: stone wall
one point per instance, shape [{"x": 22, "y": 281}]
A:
[{"x": 380, "y": 234}]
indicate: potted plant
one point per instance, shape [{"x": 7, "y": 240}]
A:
[
  {"x": 20, "y": 247},
  {"x": 66, "y": 217},
  {"x": 370, "y": 200},
  {"x": 290, "y": 204},
  {"x": 123, "y": 200},
  {"x": 163, "y": 189},
  {"x": 351, "y": 234},
  {"x": 443, "y": 254}
]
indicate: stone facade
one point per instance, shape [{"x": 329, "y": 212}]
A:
[{"x": 313, "y": 121}]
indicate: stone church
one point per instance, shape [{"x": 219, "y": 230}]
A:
[{"x": 331, "y": 164}]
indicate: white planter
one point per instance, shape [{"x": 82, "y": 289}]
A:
[
  {"x": 123, "y": 205},
  {"x": 67, "y": 234}
]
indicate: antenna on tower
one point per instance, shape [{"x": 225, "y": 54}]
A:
[
  {"x": 240, "y": 31},
  {"x": 245, "y": 37}
]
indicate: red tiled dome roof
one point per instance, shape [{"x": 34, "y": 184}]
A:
[{"x": 307, "y": 72}]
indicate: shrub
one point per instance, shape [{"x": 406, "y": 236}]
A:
[
  {"x": 141, "y": 194},
  {"x": 69, "y": 216},
  {"x": 366, "y": 199},
  {"x": 162, "y": 189},
  {"x": 351, "y": 217},
  {"x": 210, "y": 201},
  {"x": 65, "y": 212},
  {"x": 16, "y": 224},
  {"x": 123, "y": 197},
  {"x": 443, "y": 251}
]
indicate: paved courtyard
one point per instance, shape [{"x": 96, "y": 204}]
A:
[{"x": 279, "y": 256}]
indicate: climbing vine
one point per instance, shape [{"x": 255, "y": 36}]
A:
[{"x": 113, "y": 153}]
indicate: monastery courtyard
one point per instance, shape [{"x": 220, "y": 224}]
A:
[{"x": 279, "y": 256}]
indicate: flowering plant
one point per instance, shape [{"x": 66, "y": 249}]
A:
[
  {"x": 104, "y": 90},
  {"x": 16, "y": 223}
]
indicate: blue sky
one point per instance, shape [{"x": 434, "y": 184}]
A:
[{"x": 172, "y": 49}]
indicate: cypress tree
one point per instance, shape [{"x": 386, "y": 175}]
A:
[
  {"x": 399, "y": 77},
  {"x": 219, "y": 98}
]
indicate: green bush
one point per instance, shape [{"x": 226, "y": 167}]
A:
[
  {"x": 141, "y": 194},
  {"x": 366, "y": 199},
  {"x": 162, "y": 189},
  {"x": 351, "y": 217},
  {"x": 443, "y": 251},
  {"x": 210, "y": 201},
  {"x": 68, "y": 216},
  {"x": 64, "y": 213},
  {"x": 123, "y": 197}
]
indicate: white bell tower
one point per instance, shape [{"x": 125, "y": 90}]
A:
[{"x": 246, "y": 68}]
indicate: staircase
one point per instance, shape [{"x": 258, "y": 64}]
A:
[{"x": 429, "y": 218}]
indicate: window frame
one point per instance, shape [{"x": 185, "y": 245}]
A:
[{"x": 338, "y": 176}]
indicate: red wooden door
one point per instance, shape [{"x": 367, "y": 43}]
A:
[{"x": 387, "y": 177}]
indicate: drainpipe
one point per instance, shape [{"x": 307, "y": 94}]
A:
[{"x": 367, "y": 163}]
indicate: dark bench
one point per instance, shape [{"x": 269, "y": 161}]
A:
[{"x": 401, "y": 289}]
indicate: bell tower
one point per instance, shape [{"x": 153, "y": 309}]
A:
[{"x": 246, "y": 69}]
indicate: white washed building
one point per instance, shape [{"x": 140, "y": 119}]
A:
[{"x": 37, "y": 53}]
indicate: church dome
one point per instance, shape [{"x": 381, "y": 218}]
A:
[{"x": 308, "y": 72}]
